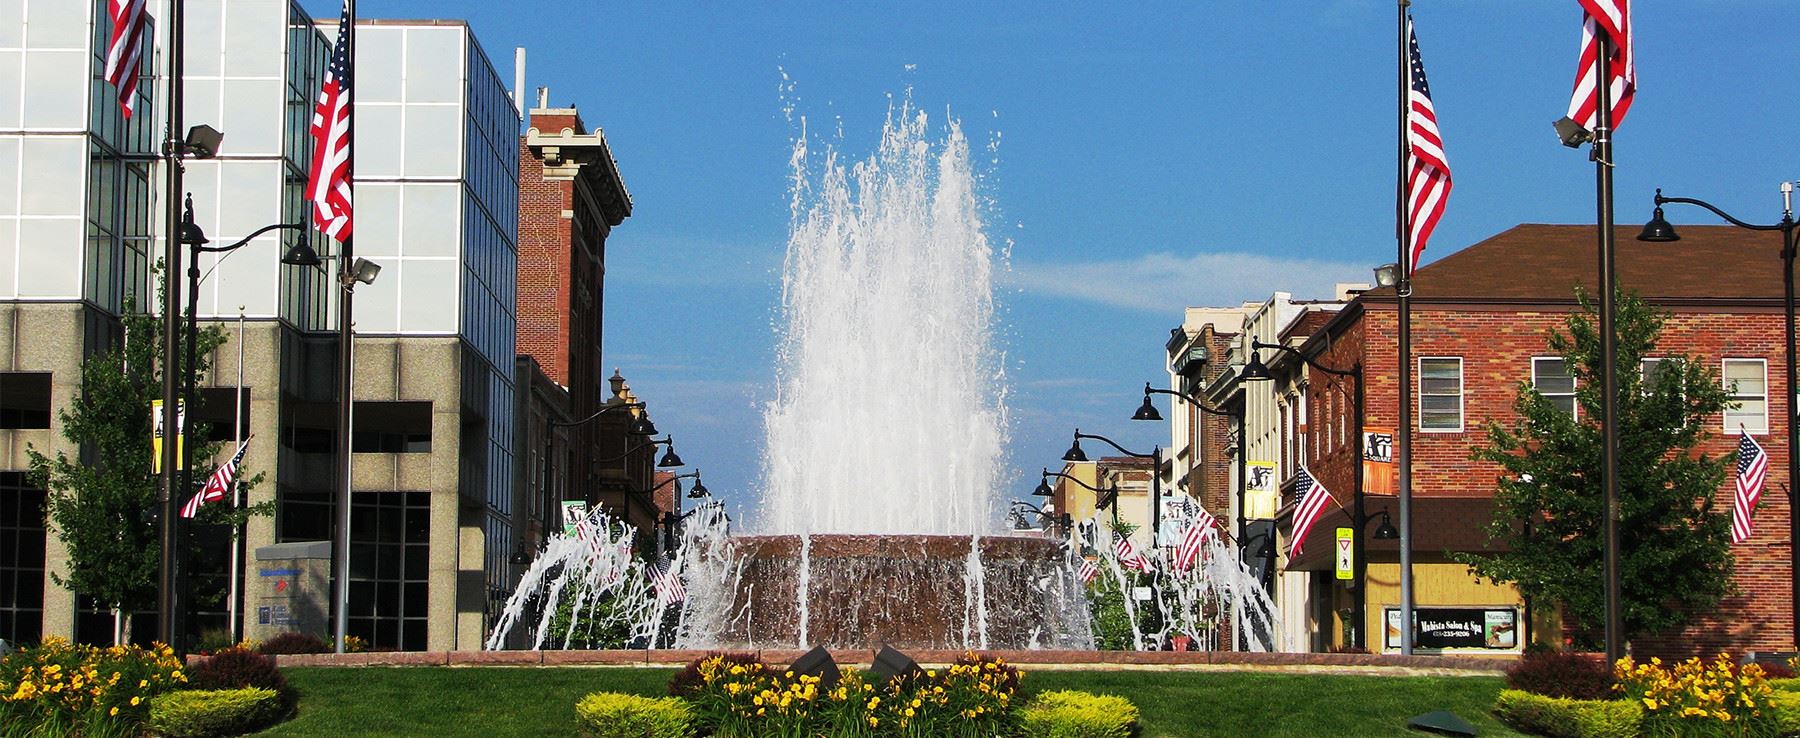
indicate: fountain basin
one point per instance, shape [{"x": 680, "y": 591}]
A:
[{"x": 908, "y": 591}]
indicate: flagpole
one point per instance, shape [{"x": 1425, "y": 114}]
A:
[
  {"x": 237, "y": 438},
  {"x": 346, "y": 362},
  {"x": 169, "y": 601},
  {"x": 1403, "y": 297},
  {"x": 1609, "y": 371}
]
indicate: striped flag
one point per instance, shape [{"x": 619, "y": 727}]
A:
[
  {"x": 1428, "y": 170},
  {"x": 125, "y": 49},
  {"x": 1194, "y": 541},
  {"x": 1313, "y": 500},
  {"x": 1752, "y": 470},
  {"x": 218, "y": 485},
  {"x": 667, "y": 583},
  {"x": 1128, "y": 554},
  {"x": 1613, "y": 17},
  {"x": 1089, "y": 570},
  {"x": 328, "y": 179}
]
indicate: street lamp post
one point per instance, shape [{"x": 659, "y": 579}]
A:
[
  {"x": 1103, "y": 497},
  {"x": 1058, "y": 524},
  {"x": 671, "y": 518},
  {"x": 191, "y": 235},
  {"x": 1256, "y": 371},
  {"x": 1147, "y": 411},
  {"x": 1155, "y": 456},
  {"x": 1659, "y": 230}
]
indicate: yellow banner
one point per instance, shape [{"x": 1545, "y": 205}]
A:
[{"x": 156, "y": 435}]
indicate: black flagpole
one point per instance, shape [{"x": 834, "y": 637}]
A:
[
  {"x": 1403, "y": 296},
  {"x": 1609, "y": 371},
  {"x": 169, "y": 601}
]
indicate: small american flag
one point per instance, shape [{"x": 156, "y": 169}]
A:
[
  {"x": 218, "y": 485},
  {"x": 1089, "y": 570},
  {"x": 1129, "y": 556},
  {"x": 667, "y": 583},
  {"x": 1194, "y": 541},
  {"x": 328, "y": 180},
  {"x": 1313, "y": 500},
  {"x": 125, "y": 49},
  {"x": 1614, "y": 18},
  {"x": 1428, "y": 170},
  {"x": 1752, "y": 470}
]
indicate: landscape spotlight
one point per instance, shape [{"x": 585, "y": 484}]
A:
[
  {"x": 1571, "y": 133},
  {"x": 890, "y": 664},
  {"x": 817, "y": 663}
]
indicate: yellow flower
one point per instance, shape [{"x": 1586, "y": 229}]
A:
[
  {"x": 135, "y": 700},
  {"x": 113, "y": 711},
  {"x": 874, "y": 721}
]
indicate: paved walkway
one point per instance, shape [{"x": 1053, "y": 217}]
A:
[{"x": 1311, "y": 663}]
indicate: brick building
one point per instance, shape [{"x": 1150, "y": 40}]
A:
[{"x": 1479, "y": 329}]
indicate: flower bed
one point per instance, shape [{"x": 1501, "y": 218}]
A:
[
  {"x": 730, "y": 696},
  {"x": 61, "y": 688},
  {"x": 1691, "y": 698}
]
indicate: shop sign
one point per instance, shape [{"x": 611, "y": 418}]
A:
[{"x": 1458, "y": 628}]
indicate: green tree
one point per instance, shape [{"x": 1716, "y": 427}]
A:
[
  {"x": 1549, "y": 506},
  {"x": 103, "y": 504}
]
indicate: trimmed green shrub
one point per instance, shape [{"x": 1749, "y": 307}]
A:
[
  {"x": 614, "y": 715},
  {"x": 202, "y": 713},
  {"x": 1560, "y": 717},
  {"x": 1787, "y": 685},
  {"x": 1786, "y": 707},
  {"x": 1071, "y": 714}
]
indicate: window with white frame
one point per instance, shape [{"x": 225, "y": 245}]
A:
[
  {"x": 1440, "y": 394},
  {"x": 1551, "y": 378},
  {"x": 1748, "y": 382},
  {"x": 1651, "y": 370}
]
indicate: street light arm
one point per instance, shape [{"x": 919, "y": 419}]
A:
[
  {"x": 666, "y": 482},
  {"x": 635, "y": 449},
  {"x": 1149, "y": 390},
  {"x": 1108, "y": 441},
  {"x": 1089, "y": 487},
  {"x": 1661, "y": 199},
  {"x": 590, "y": 418},
  {"x": 245, "y": 241},
  {"x": 1354, "y": 371}
]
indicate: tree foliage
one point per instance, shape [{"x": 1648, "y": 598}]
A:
[
  {"x": 103, "y": 503},
  {"x": 1549, "y": 506}
]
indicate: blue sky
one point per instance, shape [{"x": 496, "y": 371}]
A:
[{"x": 1150, "y": 156}]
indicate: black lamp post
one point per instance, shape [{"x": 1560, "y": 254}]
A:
[
  {"x": 1155, "y": 456},
  {"x": 191, "y": 235},
  {"x": 1104, "y": 497},
  {"x": 1659, "y": 230},
  {"x": 1256, "y": 371},
  {"x": 1147, "y": 411},
  {"x": 671, "y": 518},
  {"x": 1059, "y": 523}
]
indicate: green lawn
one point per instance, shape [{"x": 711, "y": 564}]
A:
[{"x": 491, "y": 702}]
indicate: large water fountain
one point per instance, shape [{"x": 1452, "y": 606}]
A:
[{"x": 884, "y": 445}]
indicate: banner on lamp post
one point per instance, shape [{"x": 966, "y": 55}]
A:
[
  {"x": 1380, "y": 475},
  {"x": 156, "y": 434}
]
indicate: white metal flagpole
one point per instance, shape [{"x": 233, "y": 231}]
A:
[{"x": 237, "y": 437}]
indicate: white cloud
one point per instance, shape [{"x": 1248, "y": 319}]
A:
[{"x": 1163, "y": 282}]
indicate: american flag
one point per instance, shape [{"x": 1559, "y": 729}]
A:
[
  {"x": 1428, "y": 170},
  {"x": 1192, "y": 543},
  {"x": 1752, "y": 469},
  {"x": 218, "y": 485},
  {"x": 1313, "y": 500},
  {"x": 667, "y": 583},
  {"x": 1613, "y": 17},
  {"x": 125, "y": 49},
  {"x": 328, "y": 181},
  {"x": 1089, "y": 570},
  {"x": 1129, "y": 556}
]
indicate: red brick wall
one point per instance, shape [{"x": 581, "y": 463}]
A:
[
  {"x": 544, "y": 289},
  {"x": 1497, "y": 347}
]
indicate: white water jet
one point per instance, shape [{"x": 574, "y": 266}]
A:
[{"x": 887, "y": 415}]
